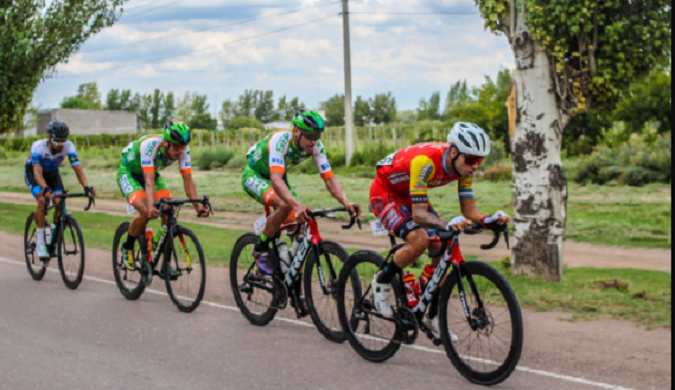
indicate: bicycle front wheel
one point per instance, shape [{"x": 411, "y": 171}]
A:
[
  {"x": 36, "y": 267},
  {"x": 71, "y": 253},
  {"x": 184, "y": 270},
  {"x": 489, "y": 345},
  {"x": 321, "y": 273}
]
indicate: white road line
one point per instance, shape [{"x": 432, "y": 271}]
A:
[{"x": 546, "y": 374}]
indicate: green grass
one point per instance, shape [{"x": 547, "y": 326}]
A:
[
  {"x": 615, "y": 215},
  {"x": 99, "y": 231},
  {"x": 643, "y": 297},
  {"x": 580, "y": 293}
]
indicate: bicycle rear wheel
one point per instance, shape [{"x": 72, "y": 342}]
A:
[
  {"x": 70, "y": 253},
  {"x": 489, "y": 349},
  {"x": 254, "y": 302},
  {"x": 375, "y": 339},
  {"x": 36, "y": 267},
  {"x": 184, "y": 273},
  {"x": 322, "y": 303},
  {"x": 130, "y": 283}
]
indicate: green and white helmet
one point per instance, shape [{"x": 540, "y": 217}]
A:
[
  {"x": 309, "y": 121},
  {"x": 177, "y": 133}
]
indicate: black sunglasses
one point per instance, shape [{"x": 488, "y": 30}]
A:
[{"x": 311, "y": 136}]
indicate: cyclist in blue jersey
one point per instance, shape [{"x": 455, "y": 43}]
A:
[{"x": 43, "y": 178}]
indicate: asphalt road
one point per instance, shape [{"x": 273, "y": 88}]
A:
[{"x": 92, "y": 338}]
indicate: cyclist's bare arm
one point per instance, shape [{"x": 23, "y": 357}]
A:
[
  {"x": 39, "y": 178},
  {"x": 470, "y": 210},
  {"x": 81, "y": 177},
  {"x": 191, "y": 192},
  {"x": 423, "y": 217},
  {"x": 338, "y": 193}
]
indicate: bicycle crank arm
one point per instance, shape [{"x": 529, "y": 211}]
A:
[{"x": 259, "y": 285}]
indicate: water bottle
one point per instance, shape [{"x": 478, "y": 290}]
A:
[
  {"x": 296, "y": 246},
  {"x": 155, "y": 241},
  {"x": 48, "y": 235},
  {"x": 284, "y": 256},
  {"x": 149, "y": 239},
  {"x": 409, "y": 284},
  {"x": 427, "y": 273}
]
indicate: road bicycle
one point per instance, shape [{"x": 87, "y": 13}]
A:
[
  {"x": 184, "y": 276},
  {"x": 475, "y": 303},
  {"x": 260, "y": 296},
  {"x": 66, "y": 243}
]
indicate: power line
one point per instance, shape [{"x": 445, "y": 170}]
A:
[
  {"x": 151, "y": 9},
  {"x": 416, "y": 13},
  {"x": 144, "y": 5},
  {"x": 210, "y": 28},
  {"x": 202, "y": 49}
]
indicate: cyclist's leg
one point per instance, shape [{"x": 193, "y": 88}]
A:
[
  {"x": 56, "y": 184},
  {"x": 162, "y": 191},
  {"x": 38, "y": 194}
]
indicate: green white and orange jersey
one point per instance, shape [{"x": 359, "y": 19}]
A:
[
  {"x": 148, "y": 155},
  {"x": 278, "y": 153},
  {"x": 410, "y": 172}
]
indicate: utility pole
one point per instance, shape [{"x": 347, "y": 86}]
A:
[{"x": 349, "y": 116}]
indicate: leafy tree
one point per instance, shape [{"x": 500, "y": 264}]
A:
[
  {"x": 113, "y": 102},
  {"x": 126, "y": 100},
  {"x": 144, "y": 116},
  {"x": 264, "y": 108},
  {"x": 406, "y": 117},
  {"x": 293, "y": 107},
  {"x": 650, "y": 101},
  {"x": 34, "y": 38},
  {"x": 200, "y": 104},
  {"x": 361, "y": 112},
  {"x": 227, "y": 113},
  {"x": 335, "y": 110},
  {"x": 245, "y": 122},
  {"x": 430, "y": 110},
  {"x": 571, "y": 56},
  {"x": 155, "y": 108},
  {"x": 168, "y": 108},
  {"x": 203, "y": 122},
  {"x": 247, "y": 103},
  {"x": 87, "y": 98},
  {"x": 383, "y": 108}
]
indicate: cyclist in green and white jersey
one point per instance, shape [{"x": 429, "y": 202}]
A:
[
  {"x": 139, "y": 179},
  {"x": 264, "y": 177}
]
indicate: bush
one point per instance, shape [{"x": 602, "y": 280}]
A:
[
  {"x": 499, "y": 173},
  {"x": 214, "y": 158},
  {"x": 238, "y": 161},
  {"x": 245, "y": 122},
  {"x": 3, "y": 154},
  {"x": 634, "y": 163}
]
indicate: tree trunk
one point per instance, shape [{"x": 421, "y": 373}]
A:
[{"x": 540, "y": 184}]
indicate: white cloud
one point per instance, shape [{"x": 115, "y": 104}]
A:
[{"x": 411, "y": 56}]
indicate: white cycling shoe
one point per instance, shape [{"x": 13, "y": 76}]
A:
[
  {"x": 433, "y": 326},
  {"x": 381, "y": 294},
  {"x": 42, "y": 252}
]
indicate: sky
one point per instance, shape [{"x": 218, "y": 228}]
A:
[{"x": 208, "y": 47}]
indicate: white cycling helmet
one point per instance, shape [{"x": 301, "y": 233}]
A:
[{"x": 470, "y": 139}]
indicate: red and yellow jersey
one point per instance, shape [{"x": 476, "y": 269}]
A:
[{"x": 412, "y": 171}]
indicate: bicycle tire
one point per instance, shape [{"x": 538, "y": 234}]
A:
[
  {"x": 349, "y": 324},
  {"x": 328, "y": 325},
  {"x": 184, "y": 305},
  {"x": 131, "y": 294},
  {"x": 36, "y": 267},
  {"x": 503, "y": 371},
  {"x": 257, "y": 319},
  {"x": 69, "y": 224}
]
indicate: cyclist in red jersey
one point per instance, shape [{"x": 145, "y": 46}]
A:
[{"x": 398, "y": 198}]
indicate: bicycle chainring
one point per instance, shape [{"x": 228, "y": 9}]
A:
[
  {"x": 406, "y": 325},
  {"x": 280, "y": 294}
]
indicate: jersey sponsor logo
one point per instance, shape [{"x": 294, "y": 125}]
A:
[
  {"x": 376, "y": 206},
  {"x": 146, "y": 162},
  {"x": 399, "y": 178},
  {"x": 281, "y": 145},
  {"x": 131, "y": 156},
  {"x": 425, "y": 172},
  {"x": 420, "y": 199},
  {"x": 276, "y": 160},
  {"x": 257, "y": 156},
  {"x": 257, "y": 186},
  {"x": 325, "y": 167},
  {"x": 151, "y": 148},
  {"x": 126, "y": 185},
  {"x": 187, "y": 164},
  {"x": 387, "y": 161},
  {"x": 269, "y": 196}
]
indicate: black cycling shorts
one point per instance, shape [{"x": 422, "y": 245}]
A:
[{"x": 53, "y": 180}]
